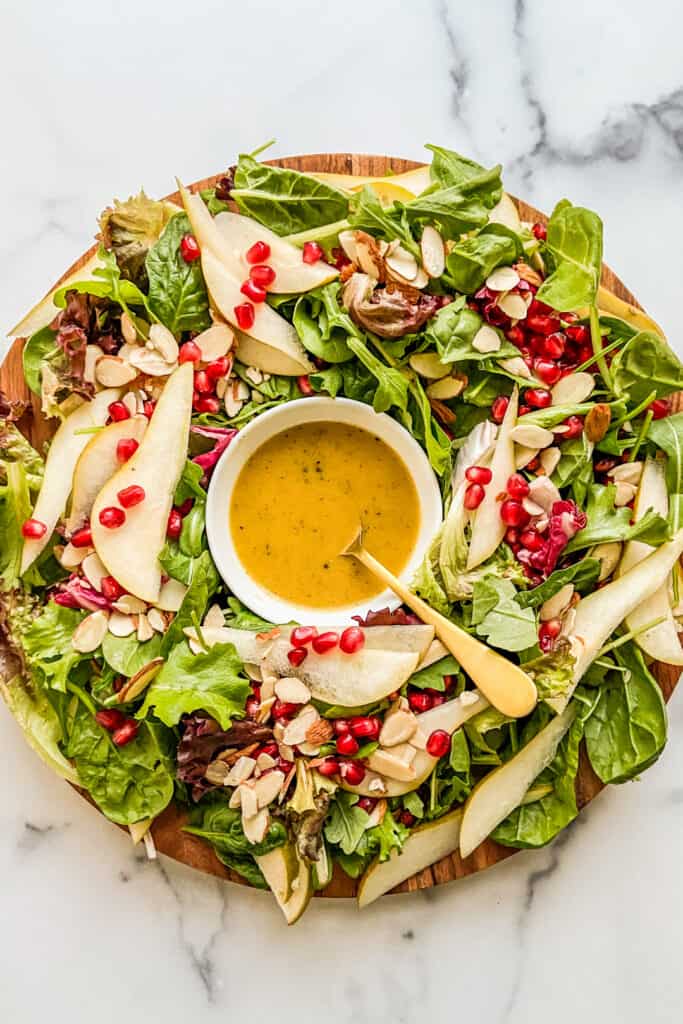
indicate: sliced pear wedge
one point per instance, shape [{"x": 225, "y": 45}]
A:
[
  {"x": 96, "y": 463},
  {"x": 66, "y": 447},
  {"x": 661, "y": 641},
  {"x": 279, "y": 868},
  {"x": 268, "y": 359},
  {"x": 322, "y": 869},
  {"x": 389, "y": 187},
  {"x": 505, "y": 212},
  {"x": 488, "y": 529},
  {"x": 291, "y": 273},
  {"x": 131, "y": 552},
  {"x": 503, "y": 789},
  {"x": 612, "y": 305}
]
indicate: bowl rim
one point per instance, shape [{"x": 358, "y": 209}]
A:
[{"x": 310, "y": 410}]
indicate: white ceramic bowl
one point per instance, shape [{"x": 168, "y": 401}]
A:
[{"x": 260, "y": 430}]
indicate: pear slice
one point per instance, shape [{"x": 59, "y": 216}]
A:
[
  {"x": 661, "y": 642},
  {"x": 394, "y": 186},
  {"x": 96, "y": 463},
  {"x": 450, "y": 717},
  {"x": 415, "y": 639},
  {"x": 302, "y": 892},
  {"x": 44, "y": 312},
  {"x": 268, "y": 359},
  {"x": 503, "y": 789},
  {"x": 425, "y": 845},
  {"x": 322, "y": 868},
  {"x": 292, "y": 274},
  {"x": 279, "y": 867},
  {"x": 131, "y": 552},
  {"x": 488, "y": 528},
  {"x": 66, "y": 447},
  {"x": 505, "y": 212}
]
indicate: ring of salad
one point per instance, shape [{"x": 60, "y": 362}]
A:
[{"x": 544, "y": 405}]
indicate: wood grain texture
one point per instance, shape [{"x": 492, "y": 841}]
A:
[{"x": 167, "y": 829}]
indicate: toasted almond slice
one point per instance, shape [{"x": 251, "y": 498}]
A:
[
  {"x": 142, "y": 678},
  {"x": 121, "y": 625},
  {"x": 549, "y": 459},
  {"x": 265, "y": 761},
  {"x": 114, "y": 372},
  {"x": 92, "y": 354},
  {"x": 347, "y": 240},
  {"x": 624, "y": 493},
  {"x": 128, "y": 331},
  {"x": 90, "y": 632},
  {"x": 531, "y": 507},
  {"x": 268, "y": 787},
  {"x": 432, "y": 251},
  {"x": 544, "y": 492},
  {"x": 157, "y": 621},
  {"x": 265, "y": 709},
  {"x": 502, "y": 279},
  {"x": 221, "y": 387},
  {"x": 130, "y": 402},
  {"x": 71, "y": 557},
  {"x": 292, "y": 691},
  {"x": 428, "y": 364},
  {"x": 215, "y": 342},
  {"x": 241, "y": 770},
  {"x": 556, "y": 605},
  {"x": 447, "y": 387},
  {"x": 487, "y": 339},
  {"x": 513, "y": 305},
  {"x": 236, "y": 798},
  {"x": 151, "y": 362},
  {"x": 523, "y": 456},
  {"x": 249, "y": 800},
  {"x": 368, "y": 256},
  {"x": 255, "y": 828},
  {"x": 171, "y": 595},
  {"x": 398, "y": 727},
  {"x": 627, "y": 473},
  {"x": 232, "y": 404},
  {"x": 163, "y": 341},
  {"x": 94, "y": 571},
  {"x": 402, "y": 263},
  {"x": 295, "y": 731},
  {"x": 573, "y": 389},
  {"x": 130, "y": 605},
  {"x": 144, "y": 630},
  {"x": 516, "y": 366},
  {"x": 217, "y": 773},
  {"x": 392, "y": 764},
  {"x": 531, "y": 436}
]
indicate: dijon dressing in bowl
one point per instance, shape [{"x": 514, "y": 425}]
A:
[{"x": 289, "y": 494}]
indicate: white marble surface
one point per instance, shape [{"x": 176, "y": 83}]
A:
[{"x": 575, "y": 99}]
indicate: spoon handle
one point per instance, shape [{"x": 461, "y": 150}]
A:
[{"x": 504, "y": 684}]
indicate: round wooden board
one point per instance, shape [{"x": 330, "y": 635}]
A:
[{"x": 168, "y": 836}]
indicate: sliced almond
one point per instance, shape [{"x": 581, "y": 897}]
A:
[
  {"x": 391, "y": 764},
  {"x": 113, "y": 372},
  {"x": 129, "y": 604},
  {"x": 94, "y": 571},
  {"x": 264, "y": 709},
  {"x": 265, "y": 761},
  {"x": 627, "y": 473},
  {"x": 128, "y": 330},
  {"x": 556, "y": 605},
  {"x": 236, "y": 798},
  {"x": 163, "y": 342},
  {"x": 215, "y": 342},
  {"x": 397, "y": 728},
  {"x": 221, "y": 387},
  {"x": 232, "y": 404},
  {"x": 487, "y": 339},
  {"x": 573, "y": 389},
  {"x": 377, "y": 784},
  {"x": 428, "y": 364},
  {"x": 292, "y": 691},
  {"x": 544, "y": 492},
  {"x": 376, "y": 815},
  {"x": 516, "y": 366},
  {"x": 130, "y": 402},
  {"x": 368, "y": 256},
  {"x": 502, "y": 279},
  {"x": 523, "y": 456},
  {"x": 295, "y": 731},
  {"x": 625, "y": 493},
  {"x": 249, "y": 800},
  {"x": 531, "y": 507},
  {"x": 90, "y": 632},
  {"x": 432, "y": 251},
  {"x": 320, "y": 732},
  {"x": 216, "y": 773},
  {"x": 144, "y": 631},
  {"x": 241, "y": 770},
  {"x": 528, "y": 273},
  {"x": 157, "y": 620},
  {"x": 255, "y": 828},
  {"x": 447, "y": 387},
  {"x": 71, "y": 557},
  {"x": 268, "y": 787},
  {"x": 140, "y": 681},
  {"x": 347, "y": 240},
  {"x": 513, "y": 305},
  {"x": 171, "y": 595},
  {"x": 550, "y": 458},
  {"x": 402, "y": 264},
  {"x": 92, "y": 354},
  {"x": 121, "y": 625},
  {"x": 597, "y": 421},
  {"x": 151, "y": 362},
  {"x": 531, "y": 436},
  {"x": 253, "y": 374}
]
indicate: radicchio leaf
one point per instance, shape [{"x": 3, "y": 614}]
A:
[{"x": 203, "y": 739}]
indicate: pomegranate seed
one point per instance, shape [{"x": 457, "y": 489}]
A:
[
  {"x": 186, "y": 506},
  {"x": 302, "y": 635},
  {"x": 541, "y": 323},
  {"x": 548, "y": 371},
  {"x": 347, "y": 744},
  {"x": 517, "y": 487},
  {"x": 189, "y": 249},
  {"x": 190, "y": 352},
  {"x": 253, "y": 291},
  {"x": 512, "y": 536},
  {"x": 33, "y": 529},
  {"x": 208, "y": 403},
  {"x": 252, "y": 706},
  {"x": 538, "y": 398},
  {"x": 258, "y": 253},
  {"x": 547, "y": 632},
  {"x": 365, "y": 727},
  {"x": 174, "y": 524},
  {"x": 82, "y": 538},
  {"x": 296, "y": 656},
  {"x": 438, "y": 743},
  {"x": 578, "y": 333},
  {"x": 203, "y": 383},
  {"x": 245, "y": 316},
  {"x": 284, "y": 709},
  {"x": 218, "y": 368},
  {"x": 125, "y": 448},
  {"x": 118, "y": 411},
  {"x": 352, "y": 772},
  {"x": 367, "y": 804},
  {"x": 419, "y": 701},
  {"x": 515, "y": 335},
  {"x": 328, "y": 767},
  {"x": 340, "y": 726},
  {"x": 660, "y": 409},
  {"x": 111, "y": 588},
  {"x": 575, "y": 424},
  {"x": 267, "y": 748},
  {"x": 531, "y": 540},
  {"x": 311, "y": 252},
  {"x": 125, "y": 733},
  {"x": 513, "y": 513},
  {"x": 407, "y": 819},
  {"x": 499, "y": 408},
  {"x": 325, "y": 642},
  {"x": 437, "y": 697},
  {"x": 131, "y": 496},
  {"x": 262, "y": 276},
  {"x": 540, "y": 232},
  {"x": 148, "y": 409},
  {"x": 304, "y": 385},
  {"x": 554, "y": 345},
  {"x": 352, "y": 639},
  {"x": 474, "y": 495},
  {"x": 112, "y": 517},
  {"x": 479, "y": 474},
  {"x": 284, "y": 766},
  {"x": 110, "y": 718}
]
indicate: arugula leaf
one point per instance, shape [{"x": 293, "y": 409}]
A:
[
  {"x": 432, "y": 677},
  {"x": 453, "y": 330},
  {"x": 435, "y": 440},
  {"x": 459, "y": 757},
  {"x": 127, "y": 783},
  {"x": 469, "y": 263},
  {"x": 177, "y": 293},
  {"x": 497, "y": 615},
  {"x": 39, "y": 348},
  {"x": 583, "y": 575},
  {"x": 47, "y": 643},
  {"x": 368, "y": 214},
  {"x": 414, "y": 803},
  {"x": 667, "y": 434},
  {"x": 211, "y": 682},
  {"x": 607, "y": 523},
  {"x": 189, "y": 486},
  {"x": 126, "y": 655},
  {"x": 285, "y": 201},
  {"x": 574, "y": 250},
  {"x": 346, "y": 822},
  {"x": 392, "y": 387},
  {"x": 221, "y": 826},
  {"x": 646, "y": 365},
  {"x": 627, "y": 731}
]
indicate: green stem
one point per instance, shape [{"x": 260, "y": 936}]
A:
[
  {"x": 313, "y": 234},
  {"x": 593, "y": 359},
  {"x": 634, "y": 413},
  {"x": 198, "y": 630},
  {"x": 84, "y": 697},
  {"x": 641, "y": 435},
  {"x": 629, "y": 636},
  {"x": 596, "y": 339}
]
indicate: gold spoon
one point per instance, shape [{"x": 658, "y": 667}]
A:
[{"x": 505, "y": 685}]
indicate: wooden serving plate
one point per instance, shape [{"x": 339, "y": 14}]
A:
[{"x": 168, "y": 836}]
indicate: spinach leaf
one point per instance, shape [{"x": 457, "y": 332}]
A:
[
  {"x": 451, "y": 208},
  {"x": 607, "y": 523},
  {"x": 127, "y": 783},
  {"x": 177, "y": 293},
  {"x": 469, "y": 263},
  {"x": 126, "y": 655},
  {"x": 40, "y": 348},
  {"x": 450, "y": 168},
  {"x": 322, "y": 326},
  {"x": 645, "y": 365},
  {"x": 346, "y": 822},
  {"x": 667, "y": 434},
  {"x": 453, "y": 330},
  {"x": 368, "y": 214},
  {"x": 351, "y": 379},
  {"x": 583, "y": 575},
  {"x": 627, "y": 731},
  {"x": 211, "y": 682},
  {"x": 574, "y": 250},
  {"x": 47, "y": 643},
  {"x": 285, "y": 201},
  {"x": 240, "y": 617},
  {"x": 498, "y": 616},
  {"x": 221, "y": 826},
  {"x": 432, "y": 677}
]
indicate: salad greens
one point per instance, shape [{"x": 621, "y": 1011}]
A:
[{"x": 433, "y": 308}]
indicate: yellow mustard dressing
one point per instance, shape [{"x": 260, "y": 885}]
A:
[{"x": 299, "y": 500}]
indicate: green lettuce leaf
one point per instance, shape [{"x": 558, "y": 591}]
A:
[
  {"x": 177, "y": 293},
  {"x": 607, "y": 523},
  {"x": 498, "y": 617},
  {"x": 39, "y": 722},
  {"x": 130, "y": 230},
  {"x": 47, "y": 643}
]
